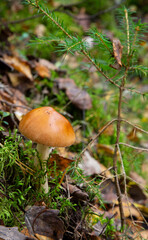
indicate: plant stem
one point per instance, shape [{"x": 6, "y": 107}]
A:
[{"x": 119, "y": 195}]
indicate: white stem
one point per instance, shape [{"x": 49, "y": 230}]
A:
[{"x": 44, "y": 152}]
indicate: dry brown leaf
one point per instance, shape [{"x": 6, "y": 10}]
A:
[
  {"x": 26, "y": 233},
  {"x": 106, "y": 149},
  {"x": 61, "y": 162},
  {"x": 117, "y": 49},
  {"x": 42, "y": 70},
  {"x": 19, "y": 65},
  {"x": 109, "y": 131},
  {"x": 136, "y": 192},
  {"x": 15, "y": 98},
  {"x": 143, "y": 234},
  {"x": 89, "y": 165},
  {"x": 7, "y": 233},
  {"x": 75, "y": 192},
  {"x": 105, "y": 172},
  {"x": 108, "y": 191},
  {"x": 64, "y": 83},
  {"x": 48, "y": 64},
  {"x": 143, "y": 209},
  {"x": 138, "y": 179},
  {"x": 14, "y": 78},
  {"x": 132, "y": 231},
  {"x": 128, "y": 210},
  {"x": 79, "y": 97},
  {"x": 45, "y": 223},
  {"x": 132, "y": 136},
  {"x": 19, "y": 80},
  {"x": 41, "y": 237}
]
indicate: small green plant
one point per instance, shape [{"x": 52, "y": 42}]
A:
[{"x": 3, "y": 115}]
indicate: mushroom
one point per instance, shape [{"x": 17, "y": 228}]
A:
[{"x": 47, "y": 128}]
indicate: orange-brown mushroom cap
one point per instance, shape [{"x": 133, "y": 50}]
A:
[{"x": 46, "y": 126}]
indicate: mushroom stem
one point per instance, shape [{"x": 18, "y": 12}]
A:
[{"x": 44, "y": 152}]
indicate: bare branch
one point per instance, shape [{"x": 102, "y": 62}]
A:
[
  {"x": 137, "y": 148},
  {"x": 132, "y": 124}
]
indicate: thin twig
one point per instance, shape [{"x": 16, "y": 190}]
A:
[
  {"x": 94, "y": 139},
  {"x": 132, "y": 124},
  {"x": 94, "y": 16},
  {"x": 119, "y": 195},
  {"x": 123, "y": 170},
  {"x": 14, "y": 105},
  {"x": 134, "y": 147},
  {"x": 21, "y": 20}
]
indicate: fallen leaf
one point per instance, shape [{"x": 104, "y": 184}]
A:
[
  {"x": 44, "y": 223},
  {"x": 143, "y": 209},
  {"x": 48, "y": 64},
  {"x": 89, "y": 165},
  {"x": 108, "y": 191},
  {"x": 109, "y": 131},
  {"x": 26, "y": 233},
  {"x": 105, "y": 172},
  {"x": 135, "y": 192},
  {"x": 14, "y": 78},
  {"x": 128, "y": 210},
  {"x": 79, "y": 97},
  {"x": 7, "y": 233},
  {"x": 13, "y": 99},
  {"x": 142, "y": 234},
  {"x": 132, "y": 135},
  {"x": 138, "y": 179},
  {"x": 64, "y": 83},
  {"x": 75, "y": 192},
  {"x": 117, "y": 49},
  {"x": 106, "y": 149},
  {"x": 19, "y": 65},
  {"x": 42, "y": 70},
  {"x": 76, "y": 95},
  {"x": 61, "y": 162},
  {"x": 4, "y": 66}
]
